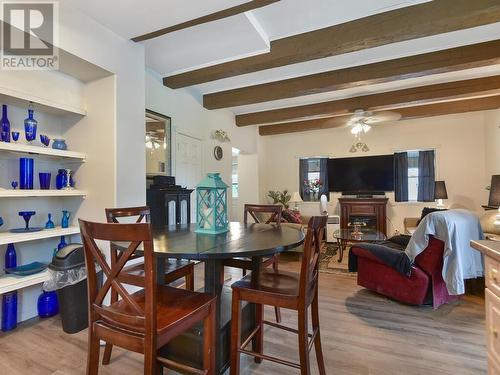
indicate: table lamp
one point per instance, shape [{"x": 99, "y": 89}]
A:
[
  {"x": 494, "y": 199},
  {"x": 296, "y": 199},
  {"x": 440, "y": 193}
]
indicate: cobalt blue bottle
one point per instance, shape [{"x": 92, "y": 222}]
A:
[
  {"x": 9, "y": 300},
  {"x": 5, "y": 124}
]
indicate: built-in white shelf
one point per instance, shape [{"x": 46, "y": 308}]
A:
[
  {"x": 11, "y": 193},
  {"x": 22, "y": 99},
  {"x": 44, "y": 151},
  {"x": 8, "y": 237},
  {"x": 9, "y": 283}
]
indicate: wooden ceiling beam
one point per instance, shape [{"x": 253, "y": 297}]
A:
[
  {"x": 450, "y": 60},
  {"x": 471, "y": 88},
  {"x": 242, "y": 8},
  {"x": 428, "y": 110},
  {"x": 417, "y": 21}
]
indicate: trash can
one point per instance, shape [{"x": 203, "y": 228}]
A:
[{"x": 68, "y": 276}]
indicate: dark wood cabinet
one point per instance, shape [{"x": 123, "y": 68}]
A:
[
  {"x": 170, "y": 204},
  {"x": 372, "y": 211}
]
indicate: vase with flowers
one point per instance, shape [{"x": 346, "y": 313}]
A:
[{"x": 313, "y": 187}]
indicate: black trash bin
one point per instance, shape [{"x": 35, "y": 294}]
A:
[{"x": 73, "y": 300}]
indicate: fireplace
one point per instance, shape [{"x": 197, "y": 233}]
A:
[{"x": 371, "y": 211}]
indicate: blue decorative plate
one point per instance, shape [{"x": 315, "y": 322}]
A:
[
  {"x": 27, "y": 269},
  {"x": 29, "y": 230}
]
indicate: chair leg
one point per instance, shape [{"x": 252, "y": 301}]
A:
[
  {"x": 151, "y": 366},
  {"x": 235, "y": 334},
  {"x": 305, "y": 367},
  {"x": 317, "y": 340},
  {"x": 93, "y": 352},
  {"x": 190, "y": 278},
  {"x": 209, "y": 341},
  {"x": 106, "y": 358},
  {"x": 258, "y": 339},
  {"x": 277, "y": 310}
]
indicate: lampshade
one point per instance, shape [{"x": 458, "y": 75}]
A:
[
  {"x": 495, "y": 191},
  {"x": 296, "y": 197},
  {"x": 440, "y": 190}
]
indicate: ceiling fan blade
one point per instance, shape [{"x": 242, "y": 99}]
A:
[{"x": 382, "y": 116}]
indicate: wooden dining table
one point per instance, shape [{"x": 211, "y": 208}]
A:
[{"x": 253, "y": 241}]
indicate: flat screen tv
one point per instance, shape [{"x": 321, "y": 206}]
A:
[{"x": 361, "y": 174}]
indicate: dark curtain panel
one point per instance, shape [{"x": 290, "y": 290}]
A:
[
  {"x": 426, "y": 176},
  {"x": 323, "y": 176},
  {"x": 303, "y": 169},
  {"x": 401, "y": 176}
]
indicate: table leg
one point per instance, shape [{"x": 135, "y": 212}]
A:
[
  {"x": 258, "y": 311},
  {"x": 214, "y": 271},
  {"x": 342, "y": 245}
]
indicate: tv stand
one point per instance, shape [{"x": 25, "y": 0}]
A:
[{"x": 372, "y": 211}]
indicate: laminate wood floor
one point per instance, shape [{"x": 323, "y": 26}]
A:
[{"x": 362, "y": 332}]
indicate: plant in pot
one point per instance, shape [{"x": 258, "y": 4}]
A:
[{"x": 280, "y": 197}]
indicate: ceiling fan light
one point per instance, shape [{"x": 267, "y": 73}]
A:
[{"x": 366, "y": 128}]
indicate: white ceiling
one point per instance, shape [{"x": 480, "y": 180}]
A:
[{"x": 249, "y": 34}]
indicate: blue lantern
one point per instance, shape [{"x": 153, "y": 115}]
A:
[{"x": 211, "y": 203}]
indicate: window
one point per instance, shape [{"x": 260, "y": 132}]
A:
[
  {"x": 412, "y": 176},
  {"x": 313, "y": 180},
  {"x": 234, "y": 173}
]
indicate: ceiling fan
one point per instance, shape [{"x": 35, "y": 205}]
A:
[{"x": 361, "y": 122}]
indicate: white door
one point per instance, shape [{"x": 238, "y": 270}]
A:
[{"x": 188, "y": 165}]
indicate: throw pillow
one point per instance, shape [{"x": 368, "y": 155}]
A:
[{"x": 291, "y": 217}]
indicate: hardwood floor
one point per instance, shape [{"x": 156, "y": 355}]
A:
[{"x": 362, "y": 332}]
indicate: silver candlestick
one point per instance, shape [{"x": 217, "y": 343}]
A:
[{"x": 68, "y": 180}]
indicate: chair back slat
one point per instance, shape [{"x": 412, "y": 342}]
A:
[
  {"x": 132, "y": 234},
  {"x": 253, "y": 209},
  {"x": 311, "y": 254}
]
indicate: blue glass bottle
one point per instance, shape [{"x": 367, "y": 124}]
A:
[
  {"x": 5, "y": 123},
  {"x": 10, "y": 256},
  {"x": 47, "y": 304},
  {"x": 30, "y": 125},
  {"x": 9, "y": 300},
  {"x": 62, "y": 243}
]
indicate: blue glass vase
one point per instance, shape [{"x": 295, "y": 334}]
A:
[
  {"x": 30, "y": 125},
  {"x": 65, "y": 219},
  {"x": 9, "y": 311},
  {"x": 48, "y": 304},
  {"x": 59, "y": 144},
  {"x": 50, "y": 224},
  {"x": 5, "y": 130},
  {"x": 26, "y": 168}
]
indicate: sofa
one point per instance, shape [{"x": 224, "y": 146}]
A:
[{"x": 424, "y": 286}]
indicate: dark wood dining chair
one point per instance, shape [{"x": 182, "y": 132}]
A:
[
  {"x": 274, "y": 212},
  {"x": 134, "y": 274},
  {"x": 288, "y": 290},
  {"x": 146, "y": 320}
]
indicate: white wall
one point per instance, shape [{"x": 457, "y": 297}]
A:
[
  {"x": 190, "y": 118},
  {"x": 492, "y": 130},
  {"x": 459, "y": 141},
  {"x": 89, "y": 40}
]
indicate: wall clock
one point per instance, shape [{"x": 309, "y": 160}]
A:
[{"x": 218, "y": 152}]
